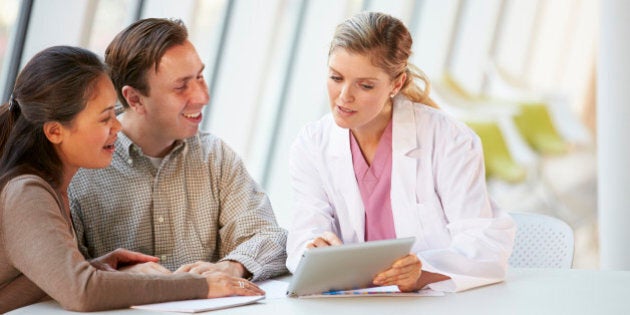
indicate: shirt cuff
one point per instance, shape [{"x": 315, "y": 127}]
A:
[{"x": 248, "y": 263}]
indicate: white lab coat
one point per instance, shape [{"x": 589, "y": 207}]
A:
[{"x": 438, "y": 195}]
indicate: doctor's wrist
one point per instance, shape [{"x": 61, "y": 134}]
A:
[{"x": 427, "y": 278}]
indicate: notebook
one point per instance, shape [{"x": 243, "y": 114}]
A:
[
  {"x": 202, "y": 305},
  {"x": 345, "y": 267}
]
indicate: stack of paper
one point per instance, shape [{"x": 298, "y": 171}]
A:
[{"x": 194, "y": 306}]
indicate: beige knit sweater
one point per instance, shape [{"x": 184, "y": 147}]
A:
[{"x": 39, "y": 258}]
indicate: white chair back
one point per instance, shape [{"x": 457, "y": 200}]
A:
[{"x": 541, "y": 242}]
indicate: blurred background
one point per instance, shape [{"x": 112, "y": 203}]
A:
[{"x": 521, "y": 73}]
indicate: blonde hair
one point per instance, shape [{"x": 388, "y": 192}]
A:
[{"x": 387, "y": 42}]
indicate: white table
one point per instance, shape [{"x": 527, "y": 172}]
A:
[{"x": 526, "y": 291}]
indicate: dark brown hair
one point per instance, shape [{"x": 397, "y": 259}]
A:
[
  {"x": 387, "y": 42},
  {"x": 55, "y": 85},
  {"x": 139, "y": 47}
]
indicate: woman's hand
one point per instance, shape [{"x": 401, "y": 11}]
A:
[
  {"x": 119, "y": 258},
  {"x": 404, "y": 273},
  {"x": 326, "y": 239},
  {"x": 220, "y": 285}
]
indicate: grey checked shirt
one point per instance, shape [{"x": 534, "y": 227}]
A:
[{"x": 200, "y": 204}]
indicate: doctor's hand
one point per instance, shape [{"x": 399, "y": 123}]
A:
[
  {"x": 326, "y": 239},
  {"x": 119, "y": 258},
  {"x": 228, "y": 267},
  {"x": 404, "y": 273}
]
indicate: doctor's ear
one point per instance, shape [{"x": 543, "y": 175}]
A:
[
  {"x": 134, "y": 98},
  {"x": 399, "y": 82}
]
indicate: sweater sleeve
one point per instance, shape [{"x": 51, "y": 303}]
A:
[{"x": 39, "y": 243}]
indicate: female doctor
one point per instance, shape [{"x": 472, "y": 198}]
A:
[{"x": 387, "y": 163}]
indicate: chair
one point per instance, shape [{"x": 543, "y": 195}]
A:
[
  {"x": 534, "y": 123},
  {"x": 532, "y": 118},
  {"x": 541, "y": 242},
  {"x": 497, "y": 158}
]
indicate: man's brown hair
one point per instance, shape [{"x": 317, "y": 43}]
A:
[{"x": 139, "y": 47}]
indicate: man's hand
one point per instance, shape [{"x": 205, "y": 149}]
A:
[
  {"x": 227, "y": 267},
  {"x": 326, "y": 239},
  {"x": 120, "y": 258},
  {"x": 149, "y": 268}
]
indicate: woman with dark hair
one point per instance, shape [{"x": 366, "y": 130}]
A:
[
  {"x": 59, "y": 118},
  {"x": 387, "y": 163}
]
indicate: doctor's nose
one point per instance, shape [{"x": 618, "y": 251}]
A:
[{"x": 345, "y": 95}]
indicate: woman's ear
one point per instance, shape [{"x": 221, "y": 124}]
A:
[
  {"x": 133, "y": 98},
  {"x": 54, "y": 132},
  {"x": 399, "y": 82}
]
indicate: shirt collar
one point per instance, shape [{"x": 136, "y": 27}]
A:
[{"x": 127, "y": 149}]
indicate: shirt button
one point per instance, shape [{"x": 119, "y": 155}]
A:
[
  {"x": 163, "y": 257},
  {"x": 161, "y": 219},
  {"x": 129, "y": 161}
]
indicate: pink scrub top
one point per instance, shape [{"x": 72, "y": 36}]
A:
[{"x": 375, "y": 183}]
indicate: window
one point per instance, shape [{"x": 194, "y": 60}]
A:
[
  {"x": 8, "y": 17},
  {"x": 109, "y": 18}
]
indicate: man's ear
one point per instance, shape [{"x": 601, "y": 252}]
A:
[
  {"x": 134, "y": 98},
  {"x": 54, "y": 131}
]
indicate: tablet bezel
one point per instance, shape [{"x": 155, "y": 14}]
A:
[{"x": 345, "y": 267}]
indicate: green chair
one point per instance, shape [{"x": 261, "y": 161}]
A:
[
  {"x": 455, "y": 87},
  {"x": 534, "y": 122},
  {"x": 499, "y": 162},
  {"x": 532, "y": 119}
]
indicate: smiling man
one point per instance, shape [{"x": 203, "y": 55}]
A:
[{"x": 172, "y": 191}]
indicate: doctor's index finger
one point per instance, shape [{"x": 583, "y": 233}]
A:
[{"x": 410, "y": 259}]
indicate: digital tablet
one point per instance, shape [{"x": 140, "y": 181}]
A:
[{"x": 345, "y": 267}]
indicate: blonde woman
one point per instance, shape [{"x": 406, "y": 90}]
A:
[{"x": 387, "y": 163}]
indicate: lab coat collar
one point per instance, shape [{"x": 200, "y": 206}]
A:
[
  {"x": 343, "y": 170},
  {"x": 404, "y": 133},
  {"x": 405, "y": 152}
]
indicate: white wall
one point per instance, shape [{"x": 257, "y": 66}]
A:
[{"x": 613, "y": 79}]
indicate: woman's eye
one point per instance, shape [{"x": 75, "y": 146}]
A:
[
  {"x": 106, "y": 119},
  {"x": 335, "y": 78},
  {"x": 109, "y": 117},
  {"x": 367, "y": 87}
]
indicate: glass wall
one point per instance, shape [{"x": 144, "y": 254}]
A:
[{"x": 9, "y": 10}]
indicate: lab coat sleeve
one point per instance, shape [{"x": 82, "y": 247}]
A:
[
  {"x": 482, "y": 235},
  {"x": 311, "y": 207}
]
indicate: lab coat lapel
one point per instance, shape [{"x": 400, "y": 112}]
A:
[
  {"x": 347, "y": 189},
  {"x": 405, "y": 151}
]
